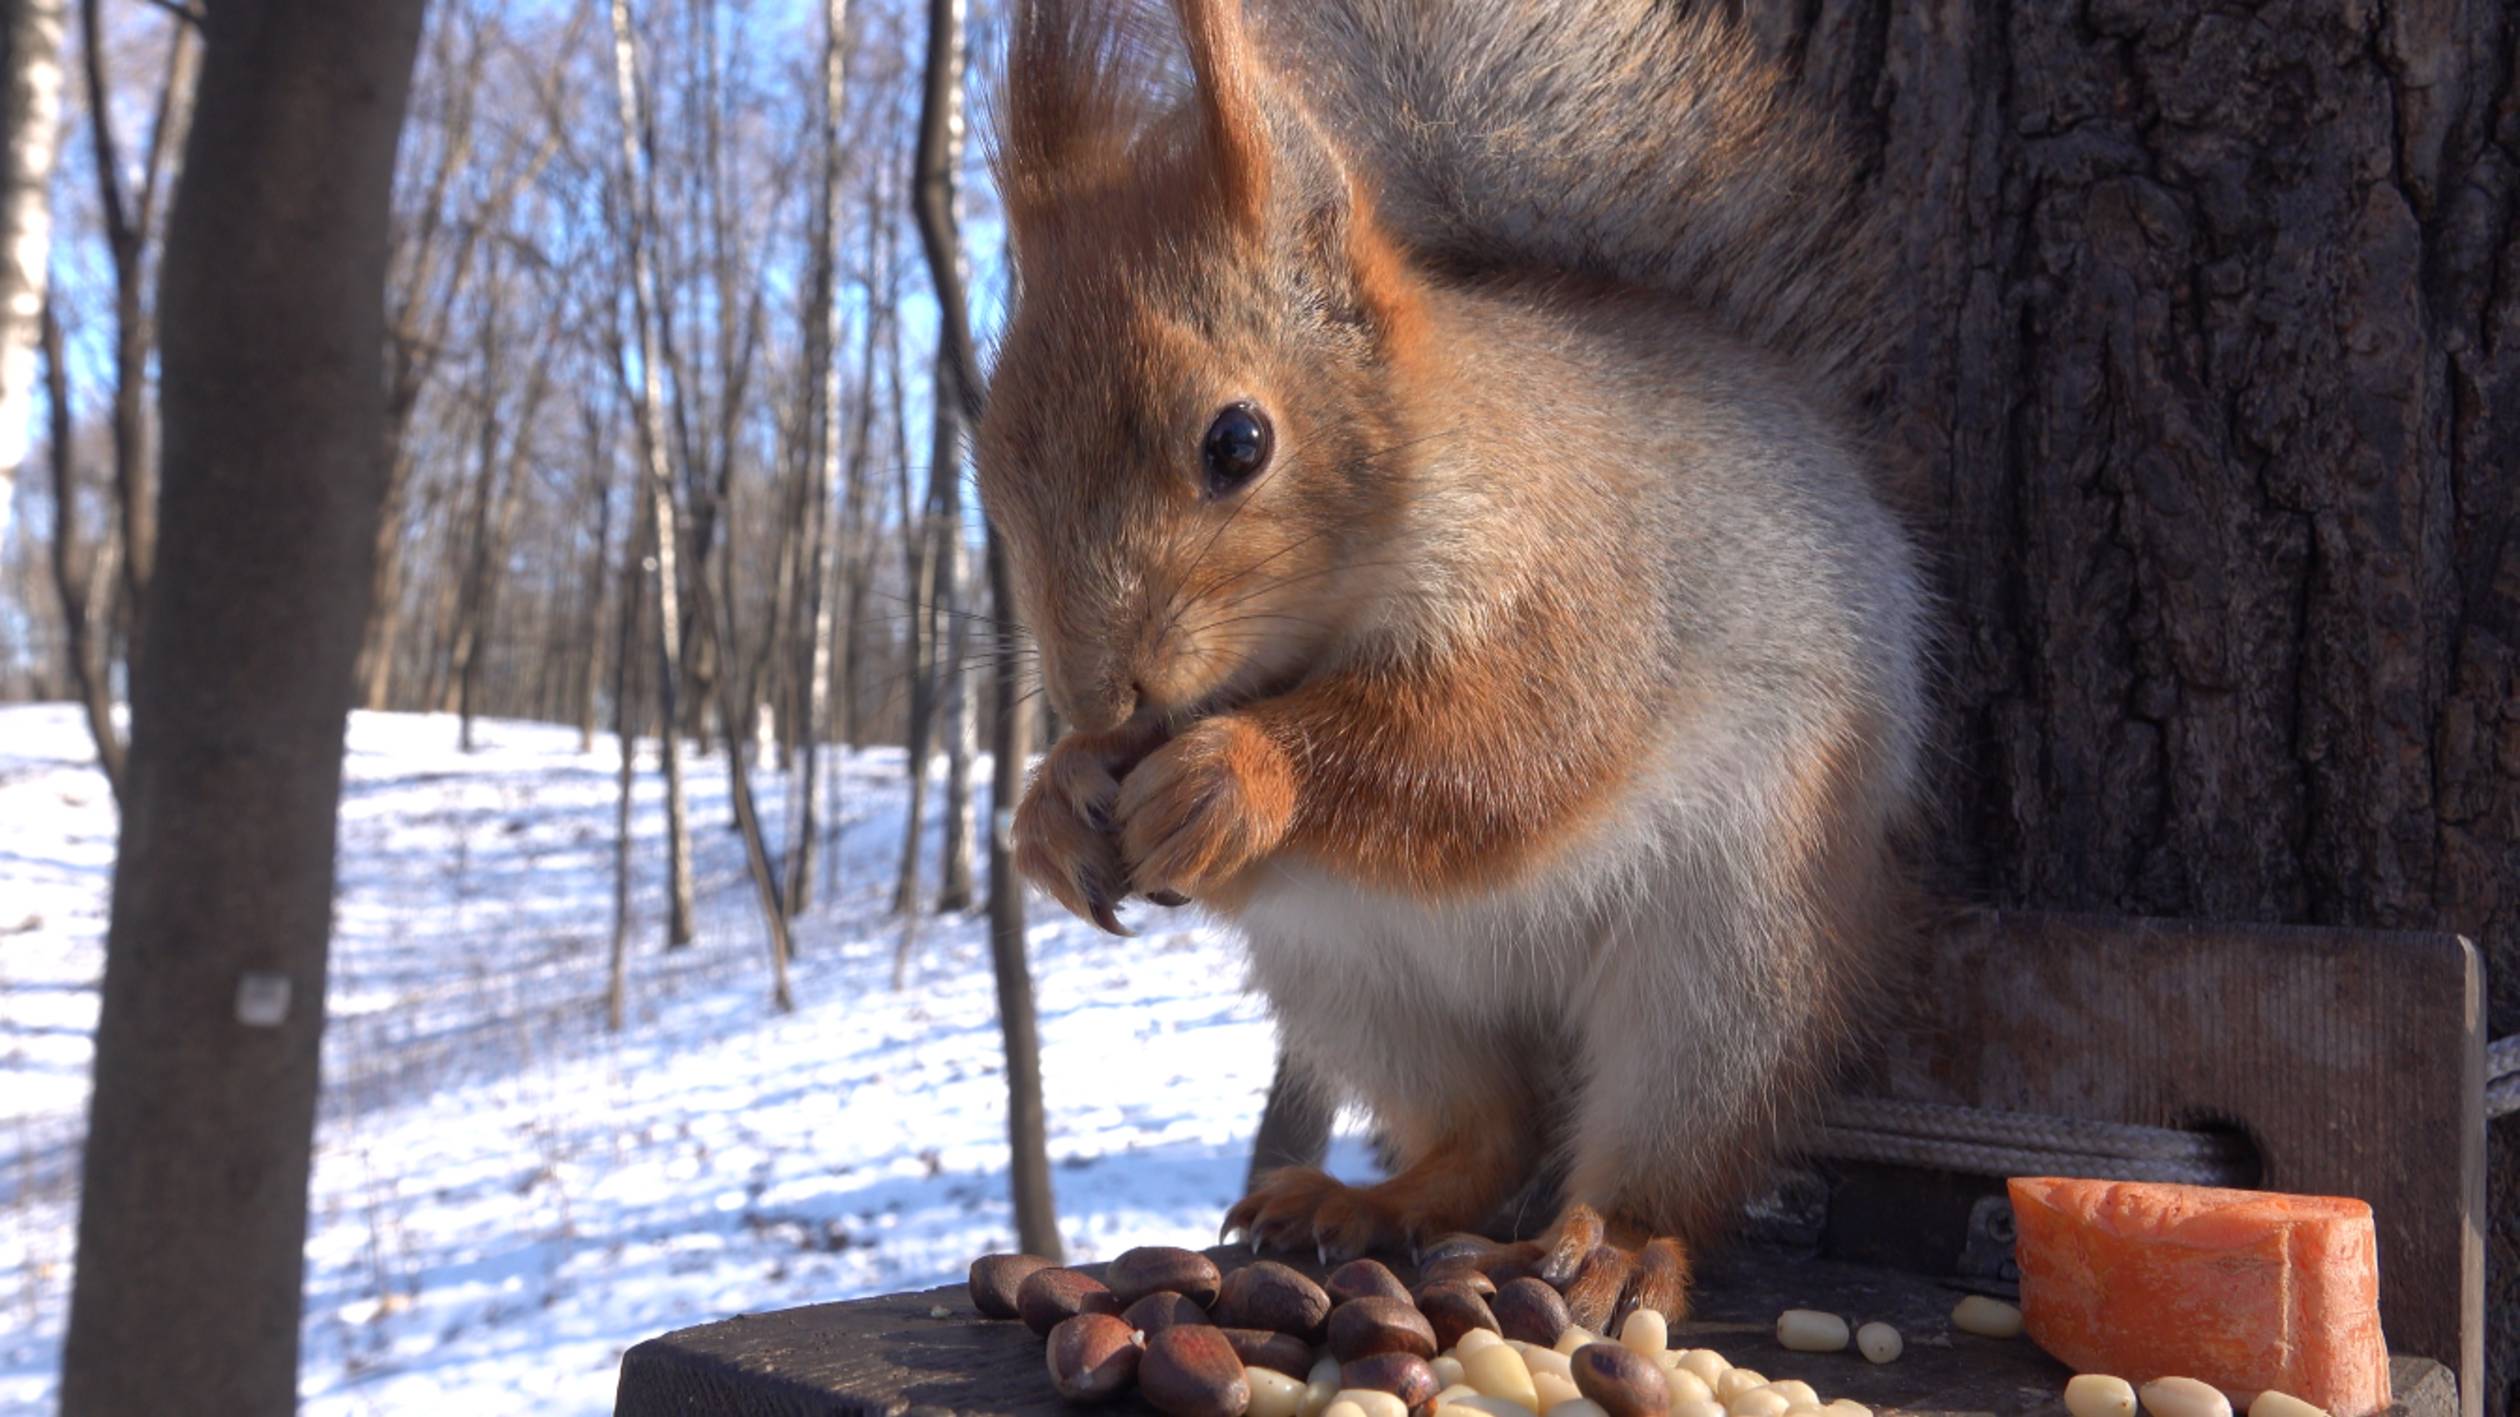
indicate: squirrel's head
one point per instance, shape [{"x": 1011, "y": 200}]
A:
[{"x": 1194, "y": 431}]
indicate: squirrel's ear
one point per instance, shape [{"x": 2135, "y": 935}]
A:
[
  {"x": 1235, "y": 127},
  {"x": 1080, "y": 81}
]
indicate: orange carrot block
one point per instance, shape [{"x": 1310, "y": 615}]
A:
[{"x": 2246, "y": 1290}]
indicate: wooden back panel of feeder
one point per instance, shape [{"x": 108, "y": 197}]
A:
[{"x": 2353, "y": 1059}]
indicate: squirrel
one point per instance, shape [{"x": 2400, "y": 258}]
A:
[{"x": 1425, "y": 444}]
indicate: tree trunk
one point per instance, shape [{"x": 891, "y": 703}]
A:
[
  {"x": 84, "y": 585},
  {"x": 758, "y": 858},
  {"x": 130, "y": 221},
  {"x": 30, "y": 139},
  {"x": 626, "y": 725},
  {"x": 591, "y": 616},
  {"x": 822, "y": 369},
  {"x": 960, "y": 715},
  {"x": 940, "y": 147},
  {"x": 639, "y": 229},
  {"x": 2212, "y": 388},
  {"x": 492, "y": 538},
  {"x": 192, "y": 1221},
  {"x": 1036, "y": 1212}
]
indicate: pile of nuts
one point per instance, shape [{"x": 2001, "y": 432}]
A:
[{"x": 1266, "y": 1341}]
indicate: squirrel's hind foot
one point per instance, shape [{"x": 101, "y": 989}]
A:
[
  {"x": 1299, "y": 1208},
  {"x": 1605, "y": 1281}
]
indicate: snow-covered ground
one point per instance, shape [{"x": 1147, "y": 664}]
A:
[{"x": 506, "y": 1196}]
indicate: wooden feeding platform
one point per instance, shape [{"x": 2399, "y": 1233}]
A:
[
  {"x": 892, "y": 1357},
  {"x": 2351, "y": 1061}
]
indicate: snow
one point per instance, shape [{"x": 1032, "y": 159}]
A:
[{"x": 505, "y": 1196}]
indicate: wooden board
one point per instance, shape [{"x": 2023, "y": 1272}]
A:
[
  {"x": 2353, "y": 1059},
  {"x": 894, "y": 1356}
]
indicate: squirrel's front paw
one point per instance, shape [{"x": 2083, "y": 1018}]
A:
[
  {"x": 1204, "y": 807},
  {"x": 1063, "y": 833}
]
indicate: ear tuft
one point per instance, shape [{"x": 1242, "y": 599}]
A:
[
  {"x": 1234, "y": 123},
  {"x": 1082, "y": 81}
]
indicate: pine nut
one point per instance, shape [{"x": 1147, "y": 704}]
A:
[
  {"x": 1795, "y": 1391},
  {"x": 1810, "y": 1331},
  {"x": 2099, "y": 1395},
  {"x": 1880, "y": 1342},
  {"x": 1736, "y": 1381},
  {"x": 1697, "y": 1407},
  {"x": 1709, "y": 1365},
  {"x": 1554, "y": 1390},
  {"x": 2271, "y": 1403},
  {"x": 1547, "y": 1360},
  {"x": 2184, "y": 1397},
  {"x": 1987, "y": 1318},
  {"x": 1646, "y": 1333},
  {"x": 1498, "y": 1371},
  {"x": 1274, "y": 1394},
  {"x": 1371, "y": 1403},
  {"x": 1759, "y": 1402},
  {"x": 1321, "y": 1386}
]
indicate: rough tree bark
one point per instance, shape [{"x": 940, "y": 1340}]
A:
[
  {"x": 192, "y": 1219},
  {"x": 30, "y": 139},
  {"x": 2212, "y": 385}
]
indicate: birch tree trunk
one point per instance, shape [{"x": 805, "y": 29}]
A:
[
  {"x": 638, "y": 226},
  {"x": 30, "y": 107},
  {"x": 193, "y": 1198}
]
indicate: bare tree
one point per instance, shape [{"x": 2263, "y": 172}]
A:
[
  {"x": 193, "y": 1203},
  {"x": 1029, "y": 1170},
  {"x": 822, "y": 371},
  {"x": 438, "y": 251},
  {"x": 933, "y": 562},
  {"x": 130, "y": 225},
  {"x": 30, "y": 139},
  {"x": 1036, "y": 1211},
  {"x": 83, "y": 581},
  {"x": 637, "y": 220}
]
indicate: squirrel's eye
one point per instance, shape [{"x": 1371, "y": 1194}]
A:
[{"x": 1236, "y": 449}]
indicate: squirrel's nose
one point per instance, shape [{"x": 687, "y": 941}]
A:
[{"x": 1105, "y": 706}]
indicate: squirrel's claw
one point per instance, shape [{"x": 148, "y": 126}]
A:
[
  {"x": 1578, "y": 1232},
  {"x": 1099, "y": 904}
]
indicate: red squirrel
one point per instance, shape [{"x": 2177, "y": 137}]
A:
[{"x": 1422, "y": 440}]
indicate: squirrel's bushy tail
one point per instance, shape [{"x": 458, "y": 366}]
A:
[{"x": 1613, "y": 139}]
